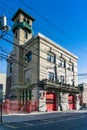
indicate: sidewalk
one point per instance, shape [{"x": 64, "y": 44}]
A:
[{"x": 17, "y": 117}]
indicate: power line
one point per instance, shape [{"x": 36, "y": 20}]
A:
[
  {"x": 4, "y": 51},
  {"x": 60, "y": 30},
  {"x": 7, "y": 6},
  {"x": 20, "y": 63},
  {"x": 34, "y": 46},
  {"x": 37, "y": 25},
  {"x": 84, "y": 74}
]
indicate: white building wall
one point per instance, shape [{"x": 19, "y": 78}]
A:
[{"x": 3, "y": 81}]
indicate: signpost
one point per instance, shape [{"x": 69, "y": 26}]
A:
[{"x": 1, "y": 88}]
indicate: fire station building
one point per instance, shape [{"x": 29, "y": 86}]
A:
[{"x": 40, "y": 72}]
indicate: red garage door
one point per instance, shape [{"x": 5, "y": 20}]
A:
[
  {"x": 72, "y": 102},
  {"x": 51, "y": 101}
]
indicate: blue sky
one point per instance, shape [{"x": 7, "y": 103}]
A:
[{"x": 70, "y": 16}]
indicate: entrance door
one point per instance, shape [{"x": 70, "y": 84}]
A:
[
  {"x": 72, "y": 102},
  {"x": 51, "y": 101}
]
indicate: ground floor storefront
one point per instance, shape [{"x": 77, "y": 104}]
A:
[
  {"x": 46, "y": 101},
  {"x": 44, "y": 96}
]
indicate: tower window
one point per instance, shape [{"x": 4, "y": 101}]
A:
[
  {"x": 24, "y": 20},
  {"x": 28, "y": 21},
  {"x": 26, "y": 35},
  {"x": 11, "y": 67}
]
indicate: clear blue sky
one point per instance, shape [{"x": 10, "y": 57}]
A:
[{"x": 68, "y": 15}]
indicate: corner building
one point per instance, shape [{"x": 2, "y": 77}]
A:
[{"x": 41, "y": 72}]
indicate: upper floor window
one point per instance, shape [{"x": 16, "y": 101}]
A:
[
  {"x": 28, "y": 57},
  {"x": 51, "y": 76},
  {"x": 61, "y": 63},
  {"x": 62, "y": 78},
  {"x": 70, "y": 67},
  {"x": 51, "y": 57}
]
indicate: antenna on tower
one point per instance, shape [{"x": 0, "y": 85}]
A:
[{"x": 3, "y": 25}]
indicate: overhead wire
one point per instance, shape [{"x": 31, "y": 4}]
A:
[
  {"x": 1, "y": 2},
  {"x": 35, "y": 12},
  {"x": 60, "y": 30},
  {"x": 41, "y": 57},
  {"x": 41, "y": 17}
]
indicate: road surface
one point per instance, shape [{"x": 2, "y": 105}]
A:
[{"x": 54, "y": 121}]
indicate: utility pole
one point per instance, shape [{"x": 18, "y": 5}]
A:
[
  {"x": 4, "y": 28},
  {"x": 1, "y": 98}
]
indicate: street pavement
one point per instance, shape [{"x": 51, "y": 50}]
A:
[
  {"x": 16, "y": 117},
  {"x": 73, "y": 120}
]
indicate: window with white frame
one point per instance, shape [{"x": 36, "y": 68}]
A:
[
  {"x": 51, "y": 76},
  {"x": 62, "y": 78},
  {"x": 70, "y": 67},
  {"x": 61, "y": 63},
  {"x": 51, "y": 57}
]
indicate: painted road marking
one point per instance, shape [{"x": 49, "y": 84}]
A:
[
  {"x": 54, "y": 121},
  {"x": 29, "y": 124},
  {"x": 11, "y": 126}
]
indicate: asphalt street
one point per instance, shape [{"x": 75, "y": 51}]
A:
[{"x": 68, "y": 121}]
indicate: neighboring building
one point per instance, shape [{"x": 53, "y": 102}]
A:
[
  {"x": 41, "y": 70},
  {"x": 3, "y": 82},
  {"x": 83, "y": 95}
]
